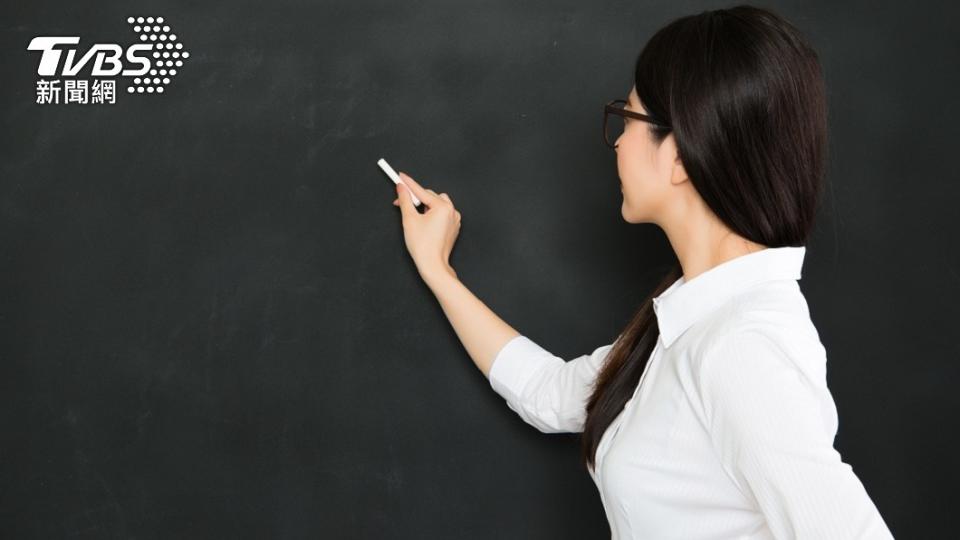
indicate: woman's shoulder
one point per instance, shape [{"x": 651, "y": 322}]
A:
[
  {"x": 771, "y": 319},
  {"x": 775, "y": 309}
]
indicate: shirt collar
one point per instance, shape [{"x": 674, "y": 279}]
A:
[{"x": 684, "y": 303}]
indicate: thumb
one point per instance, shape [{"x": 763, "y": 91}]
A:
[{"x": 406, "y": 202}]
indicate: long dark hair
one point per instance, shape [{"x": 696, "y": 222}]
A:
[{"x": 745, "y": 99}]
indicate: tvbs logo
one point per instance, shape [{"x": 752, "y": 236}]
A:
[
  {"x": 106, "y": 54},
  {"x": 152, "y": 63}
]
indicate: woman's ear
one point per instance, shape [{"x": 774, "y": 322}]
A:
[{"x": 679, "y": 174}]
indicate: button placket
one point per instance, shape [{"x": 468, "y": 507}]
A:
[{"x": 605, "y": 442}]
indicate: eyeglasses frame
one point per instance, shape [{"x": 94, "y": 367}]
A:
[{"x": 610, "y": 108}]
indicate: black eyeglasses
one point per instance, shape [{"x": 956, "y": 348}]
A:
[{"x": 613, "y": 127}]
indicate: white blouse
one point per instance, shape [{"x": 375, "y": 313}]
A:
[{"x": 731, "y": 436}]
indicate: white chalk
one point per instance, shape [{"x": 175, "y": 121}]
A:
[{"x": 396, "y": 179}]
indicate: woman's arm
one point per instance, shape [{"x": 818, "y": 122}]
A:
[
  {"x": 481, "y": 331},
  {"x": 773, "y": 429},
  {"x": 430, "y": 238},
  {"x": 546, "y": 391}
]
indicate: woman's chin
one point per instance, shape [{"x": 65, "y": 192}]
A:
[
  {"x": 625, "y": 212},
  {"x": 630, "y": 214}
]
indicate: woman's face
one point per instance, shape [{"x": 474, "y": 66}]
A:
[{"x": 649, "y": 171}]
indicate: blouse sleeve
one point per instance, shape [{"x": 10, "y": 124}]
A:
[
  {"x": 547, "y": 392},
  {"x": 771, "y": 426}
]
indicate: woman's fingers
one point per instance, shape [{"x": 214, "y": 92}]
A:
[
  {"x": 422, "y": 194},
  {"x": 443, "y": 196},
  {"x": 427, "y": 195}
]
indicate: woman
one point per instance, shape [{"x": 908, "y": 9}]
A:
[{"x": 709, "y": 417}]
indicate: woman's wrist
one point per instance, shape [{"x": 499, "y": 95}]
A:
[{"x": 438, "y": 273}]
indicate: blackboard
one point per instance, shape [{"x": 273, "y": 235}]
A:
[{"x": 211, "y": 327}]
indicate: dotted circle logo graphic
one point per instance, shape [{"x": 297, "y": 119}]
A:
[{"x": 168, "y": 54}]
